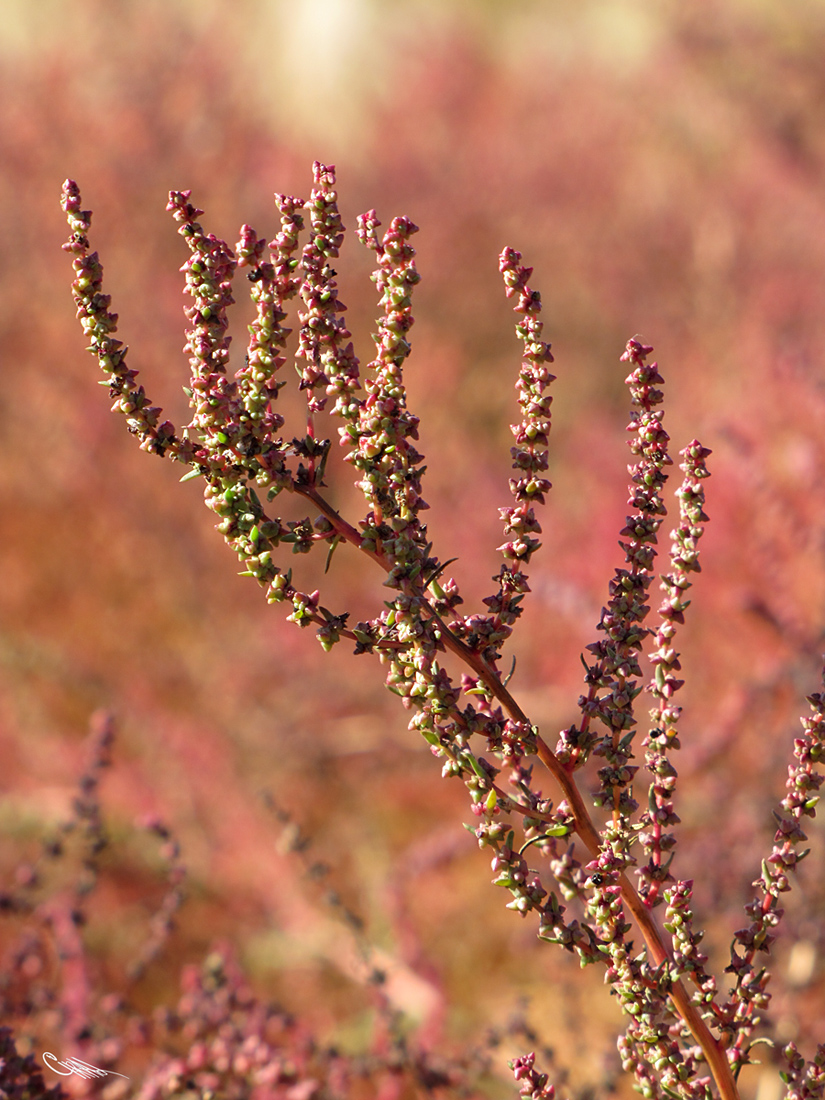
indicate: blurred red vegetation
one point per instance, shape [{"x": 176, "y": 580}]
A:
[{"x": 682, "y": 198}]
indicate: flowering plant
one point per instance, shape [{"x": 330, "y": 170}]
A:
[{"x": 569, "y": 861}]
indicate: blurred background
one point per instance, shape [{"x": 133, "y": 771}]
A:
[{"x": 662, "y": 168}]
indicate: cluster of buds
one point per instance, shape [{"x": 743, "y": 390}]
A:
[
  {"x": 512, "y": 872},
  {"x": 655, "y": 1047},
  {"x": 805, "y": 1080},
  {"x": 533, "y": 1085},
  {"x": 662, "y": 738},
  {"x": 328, "y": 366},
  {"x": 98, "y": 325},
  {"x": 741, "y": 1013},
  {"x": 612, "y": 687},
  {"x": 687, "y": 956},
  {"x": 487, "y": 633},
  {"x": 381, "y": 450}
]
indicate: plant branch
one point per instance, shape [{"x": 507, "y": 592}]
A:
[{"x": 584, "y": 827}]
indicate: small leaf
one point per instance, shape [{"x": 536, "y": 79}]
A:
[
  {"x": 509, "y": 675},
  {"x": 436, "y": 573},
  {"x": 332, "y": 547}
]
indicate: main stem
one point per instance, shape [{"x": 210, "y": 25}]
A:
[
  {"x": 584, "y": 827},
  {"x": 586, "y": 830}
]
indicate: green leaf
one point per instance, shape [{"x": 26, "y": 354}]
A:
[
  {"x": 509, "y": 675},
  {"x": 475, "y": 765},
  {"x": 332, "y": 547}
]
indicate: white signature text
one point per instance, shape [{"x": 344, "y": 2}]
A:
[{"x": 75, "y": 1066}]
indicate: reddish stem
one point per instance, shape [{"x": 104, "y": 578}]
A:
[{"x": 714, "y": 1054}]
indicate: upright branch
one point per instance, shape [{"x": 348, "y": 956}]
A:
[
  {"x": 489, "y": 632},
  {"x": 662, "y": 740},
  {"x": 98, "y": 325},
  {"x": 611, "y": 684},
  {"x": 330, "y": 366},
  {"x": 751, "y": 945},
  {"x": 378, "y": 441}
]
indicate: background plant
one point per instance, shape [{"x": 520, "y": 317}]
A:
[{"x": 674, "y": 191}]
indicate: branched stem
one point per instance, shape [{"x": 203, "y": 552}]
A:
[
  {"x": 232, "y": 444},
  {"x": 584, "y": 826}
]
